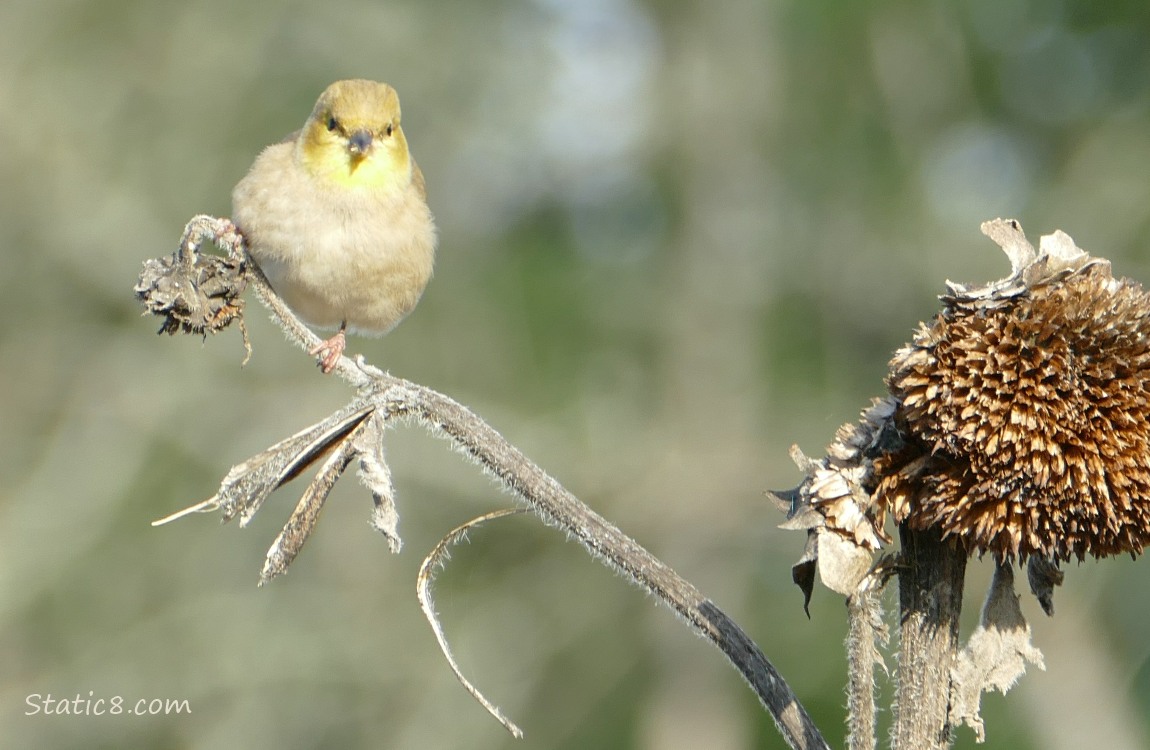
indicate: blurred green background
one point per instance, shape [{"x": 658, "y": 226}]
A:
[{"x": 676, "y": 239}]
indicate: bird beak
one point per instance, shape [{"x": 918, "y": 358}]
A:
[{"x": 359, "y": 143}]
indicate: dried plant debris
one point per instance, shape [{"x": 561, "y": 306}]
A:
[
  {"x": 436, "y": 560},
  {"x": 1018, "y": 419},
  {"x": 375, "y": 474},
  {"x": 199, "y": 296},
  {"x": 1043, "y": 575},
  {"x": 996, "y": 654},
  {"x": 354, "y": 432},
  {"x": 836, "y": 505}
]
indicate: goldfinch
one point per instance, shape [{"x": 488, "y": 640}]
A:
[{"x": 336, "y": 216}]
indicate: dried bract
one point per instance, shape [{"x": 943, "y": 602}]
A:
[{"x": 836, "y": 505}]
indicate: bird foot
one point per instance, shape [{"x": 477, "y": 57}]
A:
[
  {"x": 329, "y": 352},
  {"x": 227, "y": 234}
]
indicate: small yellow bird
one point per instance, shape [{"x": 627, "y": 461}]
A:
[{"x": 336, "y": 216}]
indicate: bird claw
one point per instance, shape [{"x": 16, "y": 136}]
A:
[
  {"x": 329, "y": 352},
  {"x": 226, "y": 234}
]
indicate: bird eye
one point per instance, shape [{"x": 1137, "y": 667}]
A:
[
  {"x": 332, "y": 124},
  {"x": 390, "y": 127}
]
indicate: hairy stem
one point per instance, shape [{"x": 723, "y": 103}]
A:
[
  {"x": 864, "y": 617},
  {"x": 395, "y": 398},
  {"x": 930, "y": 600},
  {"x": 558, "y": 507}
]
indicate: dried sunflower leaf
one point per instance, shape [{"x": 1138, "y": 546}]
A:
[
  {"x": 842, "y": 563},
  {"x": 376, "y": 476},
  {"x": 303, "y": 519},
  {"x": 803, "y": 572},
  {"x": 436, "y": 560},
  {"x": 996, "y": 654},
  {"x": 246, "y": 485},
  {"x": 1043, "y": 575}
]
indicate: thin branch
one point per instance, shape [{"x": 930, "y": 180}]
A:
[{"x": 387, "y": 397}]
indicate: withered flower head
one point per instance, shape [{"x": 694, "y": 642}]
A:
[
  {"x": 1018, "y": 420},
  {"x": 1029, "y": 402}
]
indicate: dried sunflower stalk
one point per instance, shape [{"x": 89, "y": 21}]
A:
[{"x": 1017, "y": 420}]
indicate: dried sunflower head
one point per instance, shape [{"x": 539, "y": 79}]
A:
[
  {"x": 1029, "y": 403},
  {"x": 1018, "y": 420}
]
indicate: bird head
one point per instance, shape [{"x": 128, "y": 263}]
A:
[{"x": 353, "y": 137}]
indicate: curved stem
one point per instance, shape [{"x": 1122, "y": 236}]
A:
[{"x": 397, "y": 398}]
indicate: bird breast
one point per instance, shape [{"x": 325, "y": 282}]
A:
[{"x": 335, "y": 254}]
